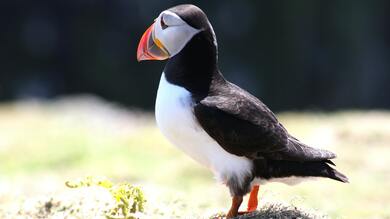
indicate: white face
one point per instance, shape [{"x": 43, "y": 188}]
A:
[{"x": 175, "y": 34}]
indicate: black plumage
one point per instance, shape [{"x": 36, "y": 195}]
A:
[
  {"x": 244, "y": 126},
  {"x": 240, "y": 123}
]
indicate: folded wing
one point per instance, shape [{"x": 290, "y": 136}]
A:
[{"x": 244, "y": 126}]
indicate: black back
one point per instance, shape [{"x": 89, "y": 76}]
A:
[{"x": 238, "y": 121}]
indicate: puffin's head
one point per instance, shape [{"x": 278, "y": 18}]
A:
[{"x": 171, "y": 31}]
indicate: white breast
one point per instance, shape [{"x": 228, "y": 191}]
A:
[{"x": 175, "y": 118}]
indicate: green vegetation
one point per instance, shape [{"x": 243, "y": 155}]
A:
[
  {"x": 42, "y": 145},
  {"x": 129, "y": 199}
]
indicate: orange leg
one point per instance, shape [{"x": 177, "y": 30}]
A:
[
  {"x": 252, "y": 202},
  {"x": 236, "y": 202}
]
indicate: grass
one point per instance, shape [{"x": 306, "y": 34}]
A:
[{"x": 44, "y": 144}]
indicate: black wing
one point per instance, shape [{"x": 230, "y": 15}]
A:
[{"x": 244, "y": 126}]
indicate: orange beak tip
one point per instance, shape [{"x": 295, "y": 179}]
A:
[{"x": 148, "y": 49}]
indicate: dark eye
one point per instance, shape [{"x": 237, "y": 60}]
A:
[{"x": 163, "y": 25}]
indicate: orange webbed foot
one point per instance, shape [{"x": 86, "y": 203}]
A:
[{"x": 253, "y": 201}]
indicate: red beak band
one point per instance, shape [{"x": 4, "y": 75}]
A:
[{"x": 150, "y": 48}]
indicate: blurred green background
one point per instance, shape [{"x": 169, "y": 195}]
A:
[
  {"x": 74, "y": 101},
  {"x": 44, "y": 144}
]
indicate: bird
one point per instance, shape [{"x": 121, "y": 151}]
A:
[{"x": 217, "y": 123}]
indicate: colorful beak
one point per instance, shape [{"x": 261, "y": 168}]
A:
[{"x": 150, "y": 48}]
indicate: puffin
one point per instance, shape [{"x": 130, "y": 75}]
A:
[{"x": 217, "y": 123}]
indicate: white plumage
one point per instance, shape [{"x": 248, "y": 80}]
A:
[
  {"x": 175, "y": 118},
  {"x": 177, "y": 35}
]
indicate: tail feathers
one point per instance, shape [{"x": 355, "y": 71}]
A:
[
  {"x": 284, "y": 168},
  {"x": 330, "y": 162},
  {"x": 336, "y": 175},
  {"x": 319, "y": 157}
]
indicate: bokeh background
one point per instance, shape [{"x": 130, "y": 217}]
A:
[
  {"x": 74, "y": 101},
  {"x": 294, "y": 55}
]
